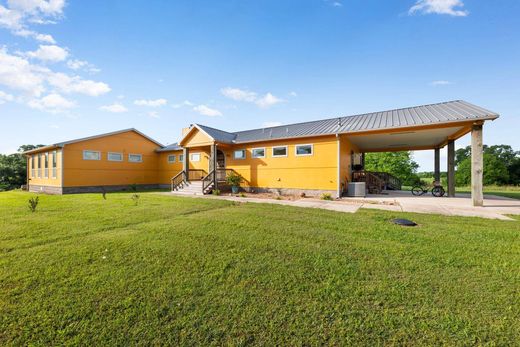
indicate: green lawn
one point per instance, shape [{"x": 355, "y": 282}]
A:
[
  {"x": 507, "y": 191},
  {"x": 82, "y": 270}
]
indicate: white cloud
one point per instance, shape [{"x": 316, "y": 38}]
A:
[
  {"x": 38, "y": 7},
  {"x": 265, "y": 101},
  {"x": 449, "y": 7},
  {"x": 76, "y": 64},
  {"x": 76, "y": 84},
  {"x": 293, "y": 94},
  {"x": 151, "y": 103},
  {"x": 182, "y": 104},
  {"x": 50, "y": 53},
  {"x": 206, "y": 111},
  {"x": 440, "y": 83},
  {"x": 17, "y": 73},
  {"x": 54, "y": 126},
  {"x": 4, "y": 97},
  {"x": 271, "y": 124},
  {"x": 268, "y": 100},
  {"x": 153, "y": 114},
  {"x": 37, "y": 36},
  {"x": 53, "y": 103},
  {"x": 238, "y": 94},
  {"x": 114, "y": 108}
]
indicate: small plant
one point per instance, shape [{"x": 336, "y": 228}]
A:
[
  {"x": 133, "y": 187},
  {"x": 242, "y": 195},
  {"x": 216, "y": 192},
  {"x": 278, "y": 197},
  {"x": 33, "y": 203},
  {"x": 234, "y": 181},
  {"x": 104, "y": 193},
  {"x": 302, "y": 195},
  {"x": 135, "y": 198},
  {"x": 326, "y": 196}
]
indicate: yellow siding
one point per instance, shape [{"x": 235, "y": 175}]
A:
[
  {"x": 168, "y": 170},
  {"x": 203, "y": 164},
  {"x": 196, "y": 138},
  {"x": 42, "y": 176},
  {"x": 318, "y": 171},
  {"x": 346, "y": 147},
  {"x": 80, "y": 172}
]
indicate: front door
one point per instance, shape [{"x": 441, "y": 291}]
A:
[{"x": 221, "y": 164}]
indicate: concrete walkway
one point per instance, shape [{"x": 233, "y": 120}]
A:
[{"x": 495, "y": 207}]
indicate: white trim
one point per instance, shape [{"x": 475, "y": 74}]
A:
[
  {"x": 303, "y": 155},
  {"x": 171, "y": 161},
  {"x": 280, "y": 156},
  {"x": 88, "y": 150},
  {"x": 239, "y": 150},
  {"x": 253, "y": 152},
  {"x": 119, "y": 153},
  {"x": 195, "y": 153},
  {"x": 132, "y": 161}
]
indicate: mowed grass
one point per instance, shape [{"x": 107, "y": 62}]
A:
[
  {"x": 506, "y": 191},
  {"x": 183, "y": 271}
]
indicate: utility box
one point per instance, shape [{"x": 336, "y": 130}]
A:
[{"x": 357, "y": 189}]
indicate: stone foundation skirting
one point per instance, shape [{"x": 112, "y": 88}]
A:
[
  {"x": 90, "y": 189},
  {"x": 34, "y": 188},
  {"x": 290, "y": 191}
]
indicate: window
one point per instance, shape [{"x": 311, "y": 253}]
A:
[
  {"x": 302, "y": 150},
  {"x": 195, "y": 157},
  {"x": 54, "y": 163},
  {"x": 91, "y": 155},
  {"x": 280, "y": 151},
  {"x": 135, "y": 158},
  {"x": 181, "y": 157},
  {"x": 171, "y": 158},
  {"x": 114, "y": 156},
  {"x": 33, "y": 169},
  {"x": 239, "y": 154},
  {"x": 39, "y": 165},
  {"x": 46, "y": 166},
  {"x": 258, "y": 152}
]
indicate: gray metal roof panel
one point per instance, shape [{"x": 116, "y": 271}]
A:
[
  {"x": 217, "y": 134},
  {"x": 171, "y": 147}
]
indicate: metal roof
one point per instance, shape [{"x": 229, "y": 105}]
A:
[
  {"x": 171, "y": 147},
  {"x": 218, "y": 135},
  {"x": 440, "y": 113},
  {"x": 61, "y": 144}
]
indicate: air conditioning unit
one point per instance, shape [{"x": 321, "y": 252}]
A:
[{"x": 357, "y": 189}]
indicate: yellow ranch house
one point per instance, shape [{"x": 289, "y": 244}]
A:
[{"x": 312, "y": 157}]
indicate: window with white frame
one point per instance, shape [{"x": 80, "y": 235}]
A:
[
  {"x": 91, "y": 155},
  {"x": 33, "y": 168},
  {"x": 40, "y": 165},
  {"x": 181, "y": 157},
  {"x": 115, "y": 156},
  {"x": 303, "y": 150},
  {"x": 46, "y": 166},
  {"x": 258, "y": 152},
  {"x": 54, "y": 163},
  {"x": 135, "y": 158},
  {"x": 171, "y": 158},
  {"x": 239, "y": 154},
  {"x": 195, "y": 157},
  {"x": 280, "y": 151}
]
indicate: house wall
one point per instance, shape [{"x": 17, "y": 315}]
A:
[
  {"x": 166, "y": 170},
  {"x": 203, "y": 164},
  {"x": 196, "y": 139},
  {"x": 92, "y": 173},
  {"x": 346, "y": 148},
  {"x": 318, "y": 171},
  {"x": 41, "y": 178}
]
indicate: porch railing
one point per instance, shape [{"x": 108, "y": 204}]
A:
[
  {"x": 178, "y": 180},
  {"x": 218, "y": 175},
  {"x": 375, "y": 185},
  {"x": 196, "y": 174},
  {"x": 391, "y": 182}
]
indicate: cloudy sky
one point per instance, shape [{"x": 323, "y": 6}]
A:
[{"x": 76, "y": 68}]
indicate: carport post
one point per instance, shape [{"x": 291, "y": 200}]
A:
[
  {"x": 477, "y": 165},
  {"x": 186, "y": 162},
  {"x": 451, "y": 168},
  {"x": 437, "y": 165}
]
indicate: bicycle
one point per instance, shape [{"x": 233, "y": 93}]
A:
[{"x": 437, "y": 190}]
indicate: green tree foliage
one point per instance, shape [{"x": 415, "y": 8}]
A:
[
  {"x": 13, "y": 168},
  {"x": 501, "y": 165},
  {"x": 399, "y": 164}
]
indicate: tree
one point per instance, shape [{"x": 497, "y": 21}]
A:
[
  {"x": 13, "y": 168},
  {"x": 495, "y": 171},
  {"x": 399, "y": 164}
]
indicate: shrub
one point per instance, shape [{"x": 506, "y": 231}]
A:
[
  {"x": 326, "y": 196},
  {"x": 216, "y": 192},
  {"x": 234, "y": 179},
  {"x": 135, "y": 198},
  {"x": 133, "y": 187},
  {"x": 33, "y": 203},
  {"x": 242, "y": 195}
]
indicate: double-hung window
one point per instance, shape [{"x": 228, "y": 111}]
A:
[
  {"x": 54, "y": 163},
  {"x": 115, "y": 156},
  {"x": 239, "y": 154},
  {"x": 195, "y": 157},
  {"x": 33, "y": 168},
  {"x": 279, "y": 151},
  {"x": 135, "y": 158},
  {"x": 181, "y": 157},
  {"x": 46, "y": 166},
  {"x": 39, "y": 165},
  {"x": 91, "y": 155},
  {"x": 258, "y": 153},
  {"x": 171, "y": 158},
  {"x": 303, "y": 150}
]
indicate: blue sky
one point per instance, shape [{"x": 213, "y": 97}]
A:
[{"x": 70, "y": 69}]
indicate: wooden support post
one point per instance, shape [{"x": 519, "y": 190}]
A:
[
  {"x": 437, "y": 165},
  {"x": 186, "y": 162},
  {"x": 477, "y": 165},
  {"x": 214, "y": 164},
  {"x": 451, "y": 168}
]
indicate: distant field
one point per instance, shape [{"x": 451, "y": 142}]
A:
[
  {"x": 182, "y": 271},
  {"x": 506, "y": 191}
]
